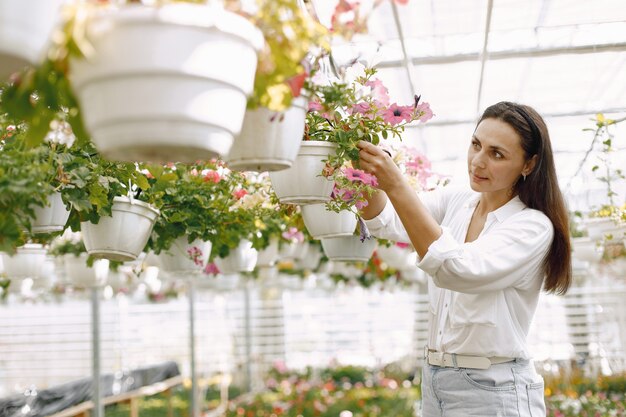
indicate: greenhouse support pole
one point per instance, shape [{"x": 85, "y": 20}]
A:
[
  {"x": 248, "y": 334},
  {"x": 98, "y": 405},
  {"x": 195, "y": 409}
]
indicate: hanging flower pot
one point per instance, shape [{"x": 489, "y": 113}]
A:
[
  {"x": 269, "y": 141},
  {"x": 241, "y": 259},
  {"x": 26, "y": 263},
  {"x": 310, "y": 257},
  {"x": 599, "y": 227},
  {"x": 183, "y": 257},
  {"x": 267, "y": 257},
  {"x": 397, "y": 257},
  {"x": 122, "y": 236},
  {"x": 25, "y": 29},
  {"x": 51, "y": 218},
  {"x": 322, "y": 223},
  {"x": 348, "y": 248},
  {"x": 303, "y": 182},
  {"x": 166, "y": 83},
  {"x": 586, "y": 249},
  {"x": 80, "y": 275}
]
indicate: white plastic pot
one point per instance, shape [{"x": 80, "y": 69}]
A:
[
  {"x": 80, "y": 275},
  {"x": 586, "y": 249},
  {"x": 51, "y": 218},
  {"x": 325, "y": 223},
  {"x": 177, "y": 259},
  {"x": 599, "y": 227},
  {"x": 303, "y": 182},
  {"x": 241, "y": 259},
  {"x": 269, "y": 141},
  {"x": 26, "y": 263},
  {"x": 348, "y": 248},
  {"x": 267, "y": 257},
  {"x": 397, "y": 257},
  {"x": 122, "y": 236},
  {"x": 25, "y": 29},
  {"x": 167, "y": 83},
  {"x": 310, "y": 257}
]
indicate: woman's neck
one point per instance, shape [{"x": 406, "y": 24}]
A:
[{"x": 492, "y": 201}]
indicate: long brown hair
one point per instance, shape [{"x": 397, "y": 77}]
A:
[{"x": 540, "y": 189}]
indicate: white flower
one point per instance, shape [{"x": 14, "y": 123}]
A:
[
  {"x": 354, "y": 72},
  {"x": 61, "y": 133}
]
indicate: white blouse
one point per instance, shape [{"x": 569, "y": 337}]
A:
[{"x": 483, "y": 294}]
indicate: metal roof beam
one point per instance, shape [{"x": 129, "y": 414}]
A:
[
  {"x": 522, "y": 53},
  {"x": 451, "y": 122}
]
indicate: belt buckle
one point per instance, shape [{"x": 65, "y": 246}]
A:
[{"x": 436, "y": 357}]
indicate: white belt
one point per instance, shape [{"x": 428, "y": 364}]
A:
[{"x": 452, "y": 360}]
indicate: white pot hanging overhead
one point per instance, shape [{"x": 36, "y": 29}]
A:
[
  {"x": 241, "y": 259},
  {"x": 79, "y": 274},
  {"x": 167, "y": 83},
  {"x": 269, "y": 140},
  {"x": 25, "y": 30},
  {"x": 586, "y": 249},
  {"x": 348, "y": 248},
  {"x": 268, "y": 256},
  {"x": 184, "y": 257},
  {"x": 52, "y": 217},
  {"x": 122, "y": 236},
  {"x": 27, "y": 262},
  {"x": 397, "y": 257},
  {"x": 303, "y": 182},
  {"x": 321, "y": 222}
]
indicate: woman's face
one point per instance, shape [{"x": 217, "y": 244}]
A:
[{"x": 495, "y": 159}]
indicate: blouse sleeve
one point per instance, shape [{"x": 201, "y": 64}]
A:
[
  {"x": 387, "y": 225},
  {"x": 509, "y": 256}
]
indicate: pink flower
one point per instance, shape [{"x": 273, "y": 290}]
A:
[
  {"x": 360, "y": 204},
  {"x": 424, "y": 111},
  {"x": 240, "y": 193},
  {"x": 194, "y": 172},
  {"x": 293, "y": 234},
  {"x": 363, "y": 108},
  {"x": 397, "y": 114},
  {"x": 380, "y": 93},
  {"x": 315, "y": 106},
  {"x": 212, "y": 176},
  {"x": 358, "y": 175},
  {"x": 402, "y": 245},
  {"x": 211, "y": 268},
  {"x": 343, "y": 193}
]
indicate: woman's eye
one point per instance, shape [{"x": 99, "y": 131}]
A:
[{"x": 498, "y": 155}]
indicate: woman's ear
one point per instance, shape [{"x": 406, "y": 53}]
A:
[{"x": 529, "y": 165}]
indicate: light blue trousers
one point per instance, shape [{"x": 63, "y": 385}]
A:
[{"x": 511, "y": 389}]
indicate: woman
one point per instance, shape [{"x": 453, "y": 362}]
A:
[{"x": 489, "y": 251}]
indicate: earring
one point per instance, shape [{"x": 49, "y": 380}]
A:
[{"x": 524, "y": 176}]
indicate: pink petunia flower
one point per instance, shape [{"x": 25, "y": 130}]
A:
[
  {"x": 211, "y": 268},
  {"x": 315, "y": 106},
  {"x": 361, "y": 204},
  {"x": 212, "y": 176},
  {"x": 293, "y": 234},
  {"x": 380, "y": 93},
  {"x": 363, "y": 108},
  {"x": 397, "y": 114},
  {"x": 240, "y": 193},
  {"x": 358, "y": 175},
  {"x": 425, "y": 109}
]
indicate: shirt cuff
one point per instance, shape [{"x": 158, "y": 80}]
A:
[
  {"x": 383, "y": 218},
  {"x": 443, "y": 248}
]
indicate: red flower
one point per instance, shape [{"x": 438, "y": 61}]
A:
[{"x": 239, "y": 194}]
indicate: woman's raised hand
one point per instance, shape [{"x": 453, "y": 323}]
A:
[{"x": 374, "y": 160}]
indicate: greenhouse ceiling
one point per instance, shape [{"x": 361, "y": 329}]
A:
[{"x": 566, "y": 58}]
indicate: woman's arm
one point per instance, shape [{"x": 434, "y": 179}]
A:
[{"x": 420, "y": 226}]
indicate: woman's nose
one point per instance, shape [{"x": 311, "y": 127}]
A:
[{"x": 478, "y": 160}]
